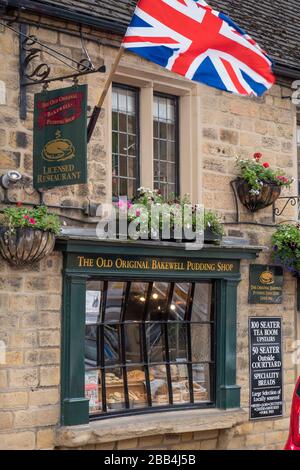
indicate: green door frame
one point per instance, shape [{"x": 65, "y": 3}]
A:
[{"x": 74, "y": 405}]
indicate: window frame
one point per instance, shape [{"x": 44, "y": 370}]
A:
[
  {"x": 74, "y": 404},
  {"x": 176, "y": 99},
  {"x": 137, "y": 93},
  {"x": 165, "y": 407}
]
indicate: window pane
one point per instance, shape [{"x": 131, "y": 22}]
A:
[
  {"x": 179, "y": 301},
  {"x": 201, "y": 342},
  {"x": 130, "y": 188},
  {"x": 171, "y": 156},
  {"x": 125, "y": 140},
  {"x": 115, "y": 187},
  {"x": 201, "y": 383},
  {"x": 91, "y": 347},
  {"x": 123, "y": 189},
  {"x": 93, "y": 301},
  {"x": 131, "y": 120},
  {"x": 115, "y": 121},
  {"x": 163, "y": 150},
  {"x": 180, "y": 383},
  {"x": 114, "y": 302},
  {"x": 202, "y": 310},
  {"x": 115, "y": 396},
  {"x": 112, "y": 344},
  {"x": 165, "y": 144},
  {"x": 122, "y": 144},
  {"x": 137, "y": 387},
  {"x": 155, "y": 342},
  {"x": 115, "y": 142},
  {"x": 92, "y": 390},
  {"x": 131, "y": 167},
  {"x": 158, "y": 303},
  {"x": 133, "y": 343},
  {"x": 159, "y": 385},
  {"x": 131, "y": 145},
  {"x": 115, "y": 165},
  {"x": 163, "y": 130},
  {"x": 136, "y": 301},
  {"x": 123, "y": 166},
  {"x": 177, "y": 335}
]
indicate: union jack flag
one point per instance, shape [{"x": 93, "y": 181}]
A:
[{"x": 190, "y": 38}]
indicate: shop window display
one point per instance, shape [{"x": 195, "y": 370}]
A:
[{"x": 148, "y": 345}]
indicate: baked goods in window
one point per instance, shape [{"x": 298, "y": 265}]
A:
[
  {"x": 135, "y": 376},
  {"x": 112, "y": 379}
]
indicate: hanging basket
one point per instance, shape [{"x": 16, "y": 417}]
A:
[
  {"x": 269, "y": 194},
  {"x": 25, "y": 246}
]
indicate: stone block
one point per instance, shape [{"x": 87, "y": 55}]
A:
[
  {"x": 45, "y": 439},
  {"x": 44, "y": 397},
  {"x": 127, "y": 444},
  {"x": 13, "y": 400},
  {"x": 33, "y": 417},
  {"x": 49, "y": 376},
  {"x": 49, "y": 338},
  {"x": 17, "y": 441},
  {"x": 23, "y": 378}
]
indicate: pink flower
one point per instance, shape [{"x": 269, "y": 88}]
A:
[
  {"x": 121, "y": 204},
  {"x": 26, "y": 217},
  {"x": 32, "y": 221},
  {"x": 129, "y": 204},
  {"x": 266, "y": 165},
  {"x": 138, "y": 213}
]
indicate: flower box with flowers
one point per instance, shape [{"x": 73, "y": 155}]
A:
[
  {"x": 151, "y": 217},
  {"x": 258, "y": 185},
  {"x": 27, "y": 235}
]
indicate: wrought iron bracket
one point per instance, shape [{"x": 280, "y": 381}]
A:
[
  {"x": 90, "y": 209},
  {"x": 292, "y": 201},
  {"x": 34, "y": 71}
]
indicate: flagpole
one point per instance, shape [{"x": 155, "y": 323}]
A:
[{"x": 97, "y": 109}]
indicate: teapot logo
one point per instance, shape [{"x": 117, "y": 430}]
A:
[
  {"x": 267, "y": 278},
  {"x": 58, "y": 150}
]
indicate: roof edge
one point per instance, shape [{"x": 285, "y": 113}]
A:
[
  {"x": 111, "y": 26},
  {"x": 63, "y": 13}
]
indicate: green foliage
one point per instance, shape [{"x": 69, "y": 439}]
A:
[
  {"x": 213, "y": 222},
  {"x": 256, "y": 174},
  {"x": 286, "y": 247},
  {"x": 173, "y": 208},
  {"x": 36, "y": 218}
]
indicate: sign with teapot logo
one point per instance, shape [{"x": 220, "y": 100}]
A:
[
  {"x": 266, "y": 284},
  {"x": 60, "y": 137}
]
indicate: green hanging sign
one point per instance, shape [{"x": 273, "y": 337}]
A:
[{"x": 60, "y": 137}]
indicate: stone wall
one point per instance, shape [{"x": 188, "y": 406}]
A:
[{"x": 30, "y": 299}]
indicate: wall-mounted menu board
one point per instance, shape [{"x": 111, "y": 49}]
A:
[{"x": 266, "y": 400}]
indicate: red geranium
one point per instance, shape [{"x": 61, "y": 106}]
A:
[
  {"x": 32, "y": 221},
  {"x": 258, "y": 156},
  {"x": 266, "y": 165},
  {"x": 19, "y": 204}
]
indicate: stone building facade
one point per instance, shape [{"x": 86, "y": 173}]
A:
[{"x": 215, "y": 128}]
